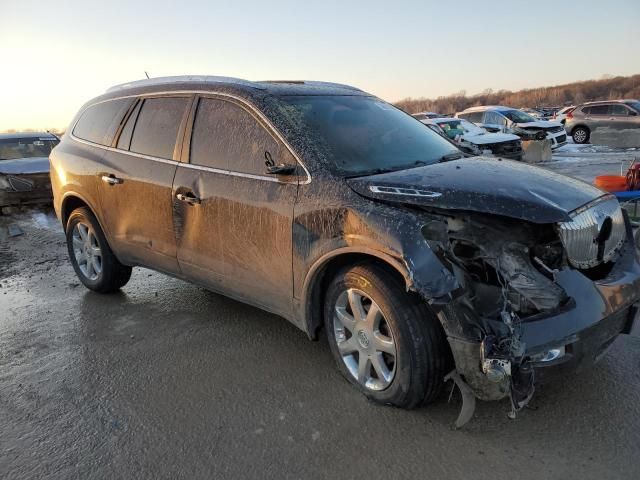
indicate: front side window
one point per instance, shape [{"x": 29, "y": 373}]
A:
[
  {"x": 618, "y": 109},
  {"x": 228, "y": 137},
  {"x": 363, "y": 135},
  {"x": 157, "y": 126},
  {"x": 15, "y": 148},
  {"x": 99, "y": 122},
  {"x": 494, "y": 118}
]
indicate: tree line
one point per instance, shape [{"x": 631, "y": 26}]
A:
[{"x": 606, "y": 88}]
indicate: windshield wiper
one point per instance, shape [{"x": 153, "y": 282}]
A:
[{"x": 451, "y": 156}]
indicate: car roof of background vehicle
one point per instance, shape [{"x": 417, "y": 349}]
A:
[
  {"x": 21, "y": 135},
  {"x": 485, "y": 108},
  {"x": 209, "y": 82},
  {"x": 600, "y": 102}
]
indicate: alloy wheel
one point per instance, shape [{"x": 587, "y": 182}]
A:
[
  {"x": 364, "y": 340},
  {"x": 87, "y": 251}
]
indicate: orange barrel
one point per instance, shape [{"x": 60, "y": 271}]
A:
[{"x": 611, "y": 183}]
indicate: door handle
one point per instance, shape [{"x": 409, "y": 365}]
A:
[
  {"x": 111, "y": 179},
  {"x": 188, "y": 198}
]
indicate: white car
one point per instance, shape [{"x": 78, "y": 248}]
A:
[
  {"x": 466, "y": 134},
  {"x": 512, "y": 120},
  {"x": 561, "y": 115}
]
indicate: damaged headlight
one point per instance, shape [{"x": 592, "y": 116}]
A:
[{"x": 595, "y": 233}]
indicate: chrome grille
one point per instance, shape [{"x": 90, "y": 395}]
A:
[{"x": 582, "y": 239}]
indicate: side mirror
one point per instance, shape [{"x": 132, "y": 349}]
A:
[
  {"x": 632, "y": 113},
  {"x": 280, "y": 169}
]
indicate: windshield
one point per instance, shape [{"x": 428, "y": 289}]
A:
[
  {"x": 517, "y": 116},
  {"x": 364, "y": 135},
  {"x": 14, "y": 148},
  {"x": 460, "y": 127}
]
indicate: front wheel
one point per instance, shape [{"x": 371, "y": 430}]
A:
[
  {"x": 92, "y": 259},
  {"x": 385, "y": 341}
]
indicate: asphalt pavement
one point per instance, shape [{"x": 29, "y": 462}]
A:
[{"x": 167, "y": 380}]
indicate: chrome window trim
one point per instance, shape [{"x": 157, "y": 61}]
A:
[{"x": 189, "y": 165}]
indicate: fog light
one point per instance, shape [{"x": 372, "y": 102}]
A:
[{"x": 549, "y": 355}]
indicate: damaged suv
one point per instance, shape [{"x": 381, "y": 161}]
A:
[{"x": 325, "y": 205}]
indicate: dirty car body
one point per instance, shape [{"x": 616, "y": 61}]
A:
[
  {"x": 522, "y": 268},
  {"x": 24, "y": 168}
]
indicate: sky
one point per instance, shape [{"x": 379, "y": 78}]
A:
[{"x": 54, "y": 56}]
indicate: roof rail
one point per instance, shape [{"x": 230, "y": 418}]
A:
[
  {"x": 183, "y": 79},
  {"x": 313, "y": 83}
]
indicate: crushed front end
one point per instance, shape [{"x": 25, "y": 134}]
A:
[{"x": 534, "y": 295}]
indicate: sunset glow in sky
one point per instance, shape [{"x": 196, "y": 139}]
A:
[{"x": 56, "y": 56}]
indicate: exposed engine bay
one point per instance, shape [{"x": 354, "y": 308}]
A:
[{"x": 507, "y": 272}]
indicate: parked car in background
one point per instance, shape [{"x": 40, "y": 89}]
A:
[
  {"x": 616, "y": 114},
  {"x": 24, "y": 168},
  {"x": 334, "y": 209},
  {"x": 512, "y": 120},
  {"x": 424, "y": 115},
  {"x": 561, "y": 115},
  {"x": 466, "y": 134}
]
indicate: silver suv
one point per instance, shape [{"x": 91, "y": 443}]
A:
[{"x": 616, "y": 114}]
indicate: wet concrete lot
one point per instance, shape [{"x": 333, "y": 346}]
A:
[{"x": 167, "y": 380}]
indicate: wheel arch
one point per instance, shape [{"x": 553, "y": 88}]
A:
[
  {"x": 574, "y": 127},
  {"x": 72, "y": 201},
  {"x": 325, "y": 269}
]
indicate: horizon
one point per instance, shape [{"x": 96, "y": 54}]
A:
[{"x": 418, "y": 50}]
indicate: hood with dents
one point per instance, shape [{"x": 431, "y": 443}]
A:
[
  {"x": 540, "y": 124},
  {"x": 480, "y": 184},
  {"x": 24, "y": 166},
  {"x": 489, "y": 138}
]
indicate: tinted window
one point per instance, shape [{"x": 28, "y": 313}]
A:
[
  {"x": 493, "y": 118},
  {"x": 474, "y": 117},
  {"x": 99, "y": 122},
  {"x": 599, "y": 110},
  {"x": 364, "y": 135},
  {"x": 228, "y": 137},
  {"x": 157, "y": 126},
  {"x": 618, "y": 110},
  {"x": 125, "y": 136}
]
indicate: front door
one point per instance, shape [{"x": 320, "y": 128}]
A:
[
  {"x": 233, "y": 221},
  {"x": 135, "y": 186}
]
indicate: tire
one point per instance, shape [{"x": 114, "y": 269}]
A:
[
  {"x": 422, "y": 356},
  {"x": 580, "y": 135},
  {"x": 95, "y": 264}
]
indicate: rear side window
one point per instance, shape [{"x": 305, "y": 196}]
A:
[
  {"x": 598, "y": 110},
  {"x": 227, "y": 137},
  {"x": 156, "y": 129},
  {"x": 474, "y": 117},
  {"x": 99, "y": 122}
]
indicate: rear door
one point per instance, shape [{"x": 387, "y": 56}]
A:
[
  {"x": 136, "y": 182},
  {"x": 233, "y": 221},
  {"x": 597, "y": 116}
]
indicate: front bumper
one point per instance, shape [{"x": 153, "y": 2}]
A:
[
  {"x": 25, "y": 189},
  {"x": 8, "y": 199},
  {"x": 596, "y": 314}
]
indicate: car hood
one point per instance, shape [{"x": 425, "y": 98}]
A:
[
  {"x": 482, "y": 184},
  {"x": 24, "y": 166},
  {"x": 487, "y": 138},
  {"x": 539, "y": 124}
]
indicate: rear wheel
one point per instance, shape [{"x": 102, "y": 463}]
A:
[
  {"x": 580, "y": 135},
  {"x": 385, "y": 341},
  {"x": 92, "y": 259}
]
